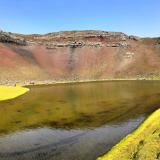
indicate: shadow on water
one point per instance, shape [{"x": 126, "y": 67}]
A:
[{"x": 73, "y": 121}]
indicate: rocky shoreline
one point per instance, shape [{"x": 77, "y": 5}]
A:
[{"x": 52, "y": 82}]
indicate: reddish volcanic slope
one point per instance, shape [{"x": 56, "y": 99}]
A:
[{"x": 77, "y": 55}]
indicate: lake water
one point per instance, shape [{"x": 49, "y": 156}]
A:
[{"x": 73, "y": 121}]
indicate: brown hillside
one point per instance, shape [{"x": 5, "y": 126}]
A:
[{"x": 77, "y": 55}]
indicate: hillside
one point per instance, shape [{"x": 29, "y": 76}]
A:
[{"x": 77, "y": 55}]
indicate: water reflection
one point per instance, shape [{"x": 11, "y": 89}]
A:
[
  {"x": 78, "y": 121},
  {"x": 59, "y": 144}
]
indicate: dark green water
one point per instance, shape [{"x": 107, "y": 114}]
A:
[{"x": 73, "y": 121}]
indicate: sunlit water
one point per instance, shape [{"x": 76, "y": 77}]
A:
[{"x": 73, "y": 121}]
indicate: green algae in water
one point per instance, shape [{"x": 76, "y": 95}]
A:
[
  {"x": 74, "y": 106},
  {"x": 73, "y": 121}
]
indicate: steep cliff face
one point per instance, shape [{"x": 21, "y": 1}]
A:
[{"x": 76, "y": 55}]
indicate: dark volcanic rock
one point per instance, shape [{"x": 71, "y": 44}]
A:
[
  {"x": 73, "y": 44},
  {"x": 11, "y": 38}
]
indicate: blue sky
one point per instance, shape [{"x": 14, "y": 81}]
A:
[{"x": 134, "y": 17}]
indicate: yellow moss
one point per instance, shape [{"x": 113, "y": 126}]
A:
[
  {"x": 10, "y": 92},
  {"x": 143, "y": 143}
]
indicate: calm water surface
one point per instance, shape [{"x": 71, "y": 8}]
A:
[{"x": 73, "y": 121}]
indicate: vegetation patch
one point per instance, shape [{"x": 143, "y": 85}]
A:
[
  {"x": 10, "y": 92},
  {"x": 142, "y": 144}
]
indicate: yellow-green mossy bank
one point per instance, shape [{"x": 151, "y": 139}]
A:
[
  {"x": 10, "y": 92},
  {"x": 142, "y": 144}
]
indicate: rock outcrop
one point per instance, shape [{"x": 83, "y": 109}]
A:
[
  {"x": 69, "y": 39},
  {"x": 11, "y": 38}
]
